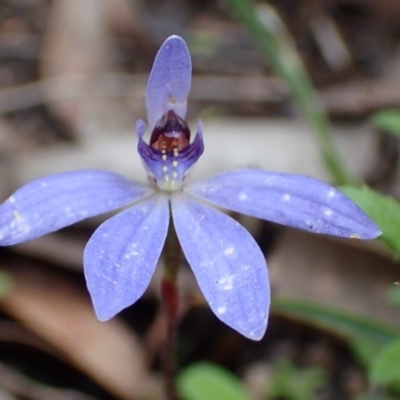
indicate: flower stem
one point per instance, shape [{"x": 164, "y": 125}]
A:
[{"x": 170, "y": 300}]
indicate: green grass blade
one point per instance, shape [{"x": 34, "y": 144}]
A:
[
  {"x": 281, "y": 52},
  {"x": 347, "y": 325},
  {"x": 387, "y": 121},
  {"x": 5, "y": 283}
]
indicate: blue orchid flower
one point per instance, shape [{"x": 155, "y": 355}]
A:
[{"x": 121, "y": 256}]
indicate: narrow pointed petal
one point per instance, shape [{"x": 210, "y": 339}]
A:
[
  {"x": 51, "y": 203},
  {"x": 170, "y": 80},
  {"x": 293, "y": 200},
  {"x": 229, "y": 266},
  {"x": 121, "y": 256}
]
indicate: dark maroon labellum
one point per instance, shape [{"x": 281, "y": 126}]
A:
[{"x": 171, "y": 132}]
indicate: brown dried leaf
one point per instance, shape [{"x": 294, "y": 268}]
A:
[
  {"x": 336, "y": 273},
  {"x": 52, "y": 308}
]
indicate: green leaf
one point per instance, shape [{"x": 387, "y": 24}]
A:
[
  {"x": 380, "y": 396},
  {"x": 387, "y": 121},
  {"x": 348, "y": 325},
  {"x": 364, "y": 349},
  {"x": 366, "y": 336},
  {"x": 385, "y": 369},
  {"x": 291, "y": 383},
  {"x": 393, "y": 295},
  {"x": 384, "y": 210},
  {"x": 205, "y": 381},
  {"x": 5, "y": 283}
]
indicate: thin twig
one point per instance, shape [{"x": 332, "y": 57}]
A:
[{"x": 170, "y": 303}]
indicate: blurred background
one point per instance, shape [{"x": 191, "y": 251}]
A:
[{"x": 292, "y": 86}]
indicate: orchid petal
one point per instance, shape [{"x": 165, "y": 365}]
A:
[
  {"x": 170, "y": 79},
  {"x": 229, "y": 266},
  {"x": 55, "y": 201},
  {"x": 121, "y": 256},
  {"x": 293, "y": 200}
]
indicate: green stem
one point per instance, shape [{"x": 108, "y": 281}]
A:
[
  {"x": 170, "y": 300},
  {"x": 286, "y": 63}
]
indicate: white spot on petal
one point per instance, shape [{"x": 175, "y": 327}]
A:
[
  {"x": 332, "y": 193},
  {"x": 11, "y": 199},
  {"x": 242, "y": 196},
  {"x": 286, "y": 197},
  {"x": 229, "y": 251},
  {"x": 226, "y": 282},
  {"x": 19, "y": 222},
  {"x": 43, "y": 184},
  {"x": 221, "y": 310},
  {"x": 328, "y": 212}
]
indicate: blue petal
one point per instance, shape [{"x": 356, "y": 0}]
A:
[
  {"x": 48, "y": 204},
  {"x": 229, "y": 266},
  {"x": 121, "y": 256},
  {"x": 293, "y": 200},
  {"x": 170, "y": 79}
]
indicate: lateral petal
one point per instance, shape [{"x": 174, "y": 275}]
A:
[
  {"x": 287, "y": 199},
  {"x": 228, "y": 264},
  {"x": 170, "y": 79},
  {"x": 121, "y": 256},
  {"x": 55, "y": 201}
]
